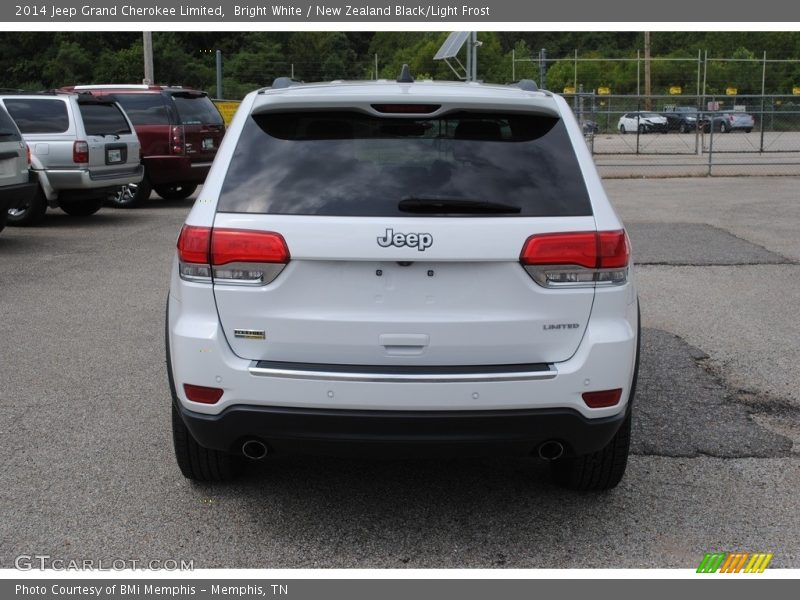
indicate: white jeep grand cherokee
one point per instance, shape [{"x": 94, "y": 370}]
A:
[{"x": 403, "y": 268}]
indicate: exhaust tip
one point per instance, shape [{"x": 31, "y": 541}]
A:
[
  {"x": 254, "y": 450},
  {"x": 551, "y": 450}
]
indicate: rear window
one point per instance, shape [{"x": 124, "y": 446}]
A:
[
  {"x": 8, "y": 131},
  {"x": 38, "y": 115},
  {"x": 144, "y": 109},
  {"x": 353, "y": 164},
  {"x": 196, "y": 110},
  {"x": 103, "y": 119}
]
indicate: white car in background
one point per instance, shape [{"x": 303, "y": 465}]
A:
[
  {"x": 409, "y": 268},
  {"x": 643, "y": 122}
]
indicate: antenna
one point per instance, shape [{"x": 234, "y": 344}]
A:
[{"x": 405, "y": 75}]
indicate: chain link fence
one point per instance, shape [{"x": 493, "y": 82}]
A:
[{"x": 663, "y": 136}]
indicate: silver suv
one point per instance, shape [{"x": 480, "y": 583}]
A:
[
  {"x": 409, "y": 268},
  {"x": 16, "y": 185},
  {"x": 82, "y": 148}
]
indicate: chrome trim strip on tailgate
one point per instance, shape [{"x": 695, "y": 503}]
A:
[{"x": 436, "y": 374}]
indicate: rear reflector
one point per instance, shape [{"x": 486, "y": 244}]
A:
[
  {"x": 202, "y": 394},
  {"x": 602, "y": 399},
  {"x": 577, "y": 258}
]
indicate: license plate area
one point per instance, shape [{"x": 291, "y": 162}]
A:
[{"x": 116, "y": 154}]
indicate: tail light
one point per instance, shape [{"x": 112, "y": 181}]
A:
[
  {"x": 28, "y": 154},
  {"x": 176, "y": 139},
  {"x": 80, "y": 152},
  {"x": 231, "y": 256},
  {"x": 580, "y": 259}
]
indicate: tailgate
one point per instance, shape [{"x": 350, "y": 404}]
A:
[{"x": 345, "y": 299}]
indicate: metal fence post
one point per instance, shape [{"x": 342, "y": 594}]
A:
[
  {"x": 763, "y": 91},
  {"x": 638, "y": 119},
  {"x": 710, "y": 143}
]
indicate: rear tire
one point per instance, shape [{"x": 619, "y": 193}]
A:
[
  {"x": 196, "y": 462},
  {"x": 31, "y": 213},
  {"x": 622, "y": 129},
  {"x": 723, "y": 128},
  {"x": 80, "y": 208},
  {"x": 3, "y": 219},
  {"x": 602, "y": 470},
  {"x": 748, "y": 130},
  {"x": 598, "y": 471},
  {"x": 131, "y": 195},
  {"x": 176, "y": 191}
]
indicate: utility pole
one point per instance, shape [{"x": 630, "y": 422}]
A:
[
  {"x": 647, "y": 89},
  {"x": 543, "y": 68},
  {"x": 219, "y": 74},
  {"x": 147, "y": 44}
]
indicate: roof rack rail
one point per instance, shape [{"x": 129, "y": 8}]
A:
[
  {"x": 405, "y": 75},
  {"x": 529, "y": 85},
  {"x": 20, "y": 92}
]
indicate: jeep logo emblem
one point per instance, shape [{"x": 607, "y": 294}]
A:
[{"x": 420, "y": 241}]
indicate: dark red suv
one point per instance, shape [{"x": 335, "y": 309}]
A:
[{"x": 179, "y": 130}]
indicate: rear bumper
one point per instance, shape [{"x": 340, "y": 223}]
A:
[
  {"x": 400, "y": 433},
  {"x": 86, "y": 179},
  {"x": 16, "y": 196},
  {"x": 165, "y": 170}
]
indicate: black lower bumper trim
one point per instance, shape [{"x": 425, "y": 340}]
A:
[
  {"x": 400, "y": 433},
  {"x": 17, "y": 196}
]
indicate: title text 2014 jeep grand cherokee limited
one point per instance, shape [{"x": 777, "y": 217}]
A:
[{"x": 406, "y": 267}]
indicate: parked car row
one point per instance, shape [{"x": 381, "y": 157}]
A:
[
  {"x": 684, "y": 119},
  {"x": 90, "y": 145}
]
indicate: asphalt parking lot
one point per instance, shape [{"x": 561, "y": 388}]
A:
[{"x": 88, "y": 470}]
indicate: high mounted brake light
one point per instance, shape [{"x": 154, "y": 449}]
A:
[
  {"x": 422, "y": 109},
  {"x": 585, "y": 258},
  {"x": 231, "y": 256}
]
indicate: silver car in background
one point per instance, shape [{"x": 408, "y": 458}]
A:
[
  {"x": 81, "y": 148},
  {"x": 16, "y": 185}
]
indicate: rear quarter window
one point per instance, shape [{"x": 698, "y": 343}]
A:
[
  {"x": 196, "y": 110},
  {"x": 38, "y": 115},
  {"x": 8, "y": 130},
  {"x": 144, "y": 109},
  {"x": 355, "y": 164},
  {"x": 103, "y": 119}
]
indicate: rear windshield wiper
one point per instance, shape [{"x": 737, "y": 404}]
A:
[{"x": 444, "y": 204}]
